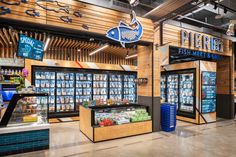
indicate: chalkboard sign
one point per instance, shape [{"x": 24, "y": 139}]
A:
[{"x": 30, "y": 48}]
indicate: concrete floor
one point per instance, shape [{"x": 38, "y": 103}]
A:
[{"x": 211, "y": 140}]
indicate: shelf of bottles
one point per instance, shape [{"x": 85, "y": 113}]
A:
[
  {"x": 65, "y": 92},
  {"x": 83, "y": 87},
  {"x": 45, "y": 83},
  {"x": 208, "y": 92},
  {"x": 115, "y": 87},
  {"x": 172, "y": 89},
  {"x": 186, "y": 83},
  {"x": 100, "y": 87},
  {"x": 163, "y": 88},
  {"x": 130, "y": 88}
]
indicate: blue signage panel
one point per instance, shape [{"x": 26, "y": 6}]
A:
[
  {"x": 125, "y": 33},
  {"x": 30, "y": 48}
]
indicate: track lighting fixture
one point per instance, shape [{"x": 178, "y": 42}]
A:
[
  {"x": 133, "y": 3},
  {"x": 225, "y": 10}
]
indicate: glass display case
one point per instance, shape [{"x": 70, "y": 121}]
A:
[
  {"x": 65, "y": 92},
  {"x": 83, "y": 87},
  {"x": 130, "y": 88},
  {"x": 186, "y": 91},
  {"x": 115, "y": 89},
  {"x": 172, "y": 89},
  {"x": 100, "y": 87},
  {"x": 26, "y": 109},
  {"x": 163, "y": 88},
  {"x": 208, "y": 103},
  {"x": 121, "y": 115},
  {"x": 45, "y": 83}
]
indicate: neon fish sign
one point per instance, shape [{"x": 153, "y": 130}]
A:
[{"x": 125, "y": 33}]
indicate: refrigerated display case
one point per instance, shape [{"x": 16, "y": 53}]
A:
[
  {"x": 163, "y": 88},
  {"x": 186, "y": 98},
  {"x": 69, "y": 88},
  {"x": 208, "y": 103},
  {"x": 172, "y": 89},
  {"x": 65, "y": 92},
  {"x": 130, "y": 88},
  {"x": 115, "y": 87},
  {"x": 45, "y": 83},
  {"x": 178, "y": 87},
  {"x": 100, "y": 87},
  {"x": 83, "y": 87}
]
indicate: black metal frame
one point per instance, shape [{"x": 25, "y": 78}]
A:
[
  {"x": 10, "y": 108},
  {"x": 178, "y": 72},
  {"x": 78, "y": 70}
]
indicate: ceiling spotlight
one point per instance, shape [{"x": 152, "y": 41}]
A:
[
  {"x": 230, "y": 30},
  {"x": 91, "y": 39},
  {"x": 79, "y": 50},
  {"x": 133, "y": 3},
  {"x": 225, "y": 10},
  {"x": 127, "y": 54}
]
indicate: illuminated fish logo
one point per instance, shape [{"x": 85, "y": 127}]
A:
[{"x": 124, "y": 33}]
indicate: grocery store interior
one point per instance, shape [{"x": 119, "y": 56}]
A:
[{"x": 117, "y": 77}]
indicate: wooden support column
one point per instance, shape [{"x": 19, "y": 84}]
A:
[{"x": 148, "y": 94}]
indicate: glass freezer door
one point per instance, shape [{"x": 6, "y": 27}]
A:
[
  {"x": 186, "y": 92},
  {"x": 115, "y": 87},
  {"x": 130, "y": 88},
  {"x": 163, "y": 88},
  {"x": 100, "y": 87},
  {"x": 172, "y": 89}
]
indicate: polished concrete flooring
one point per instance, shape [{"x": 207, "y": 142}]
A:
[{"x": 211, "y": 140}]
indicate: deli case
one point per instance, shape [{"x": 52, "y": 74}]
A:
[
  {"x": 107, "y": 122},
  {"x": 68, "y": 88},
  {"x": 178, "y": 87}
]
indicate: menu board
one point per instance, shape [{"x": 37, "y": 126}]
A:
[
  {"x": 208, "y": 92},
  {"x": 30, "y": 48}
]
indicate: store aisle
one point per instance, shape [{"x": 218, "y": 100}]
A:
[{"x": 216, "y": 139}]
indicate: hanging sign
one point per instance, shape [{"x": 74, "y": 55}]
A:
[
  {"x": 202, "y": 41},
  {"x": 125, "y": 33}
]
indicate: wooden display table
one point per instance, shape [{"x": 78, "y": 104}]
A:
[{"x": 97, "y": 134}]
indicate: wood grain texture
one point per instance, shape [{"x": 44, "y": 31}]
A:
[
  {"x": 85, "y": 122},
  {"x": 124, "y": 130},
  {"x": 145, "y": 70},
  {"x": 98, "y": 19}
]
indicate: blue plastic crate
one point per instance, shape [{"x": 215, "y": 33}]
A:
[{"x": 168, "y": 117}]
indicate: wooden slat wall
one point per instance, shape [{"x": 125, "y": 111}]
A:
[
  {"x": 172, "y": 34},
  {"x": 61, "y": 48},
  {"x": 98, "y": 19}
]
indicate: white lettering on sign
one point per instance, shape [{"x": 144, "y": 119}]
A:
[
  {"x": 130, "y": 35},
  {"x": 201, "y": 41},
  {"x": 28, "y": 41}
]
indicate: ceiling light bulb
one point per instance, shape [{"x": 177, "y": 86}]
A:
[{"x": 133, "y": 2}]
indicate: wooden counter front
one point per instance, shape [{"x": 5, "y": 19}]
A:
[{"x": 97, "y": 134}]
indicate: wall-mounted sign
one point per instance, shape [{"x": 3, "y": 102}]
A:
[
  {"x": 178, "y": 55},
  {"x": 202, "y": 41},
  {"x": 125, "y": 33},
  {"x": 30, "y": 48}
]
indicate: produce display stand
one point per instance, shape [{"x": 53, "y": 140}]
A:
[{"x": 102, "y": 133}]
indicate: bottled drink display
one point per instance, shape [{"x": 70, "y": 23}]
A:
[
  {"x": 45, "y": 83},
  {"x": 100, "y": 87},
  {"x": 130, "y": 88},
  {"x": 83, "y": 87},
  {"x": 65, "y": 92},
  {"x": 208, "y": 92},
  {"x": 186, "y": 98},
  {"x": 115, "y": 87},
  {"x": 172, "y": 89}
]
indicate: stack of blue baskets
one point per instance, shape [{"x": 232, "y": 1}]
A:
[{"x": 168, "y": 117}]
